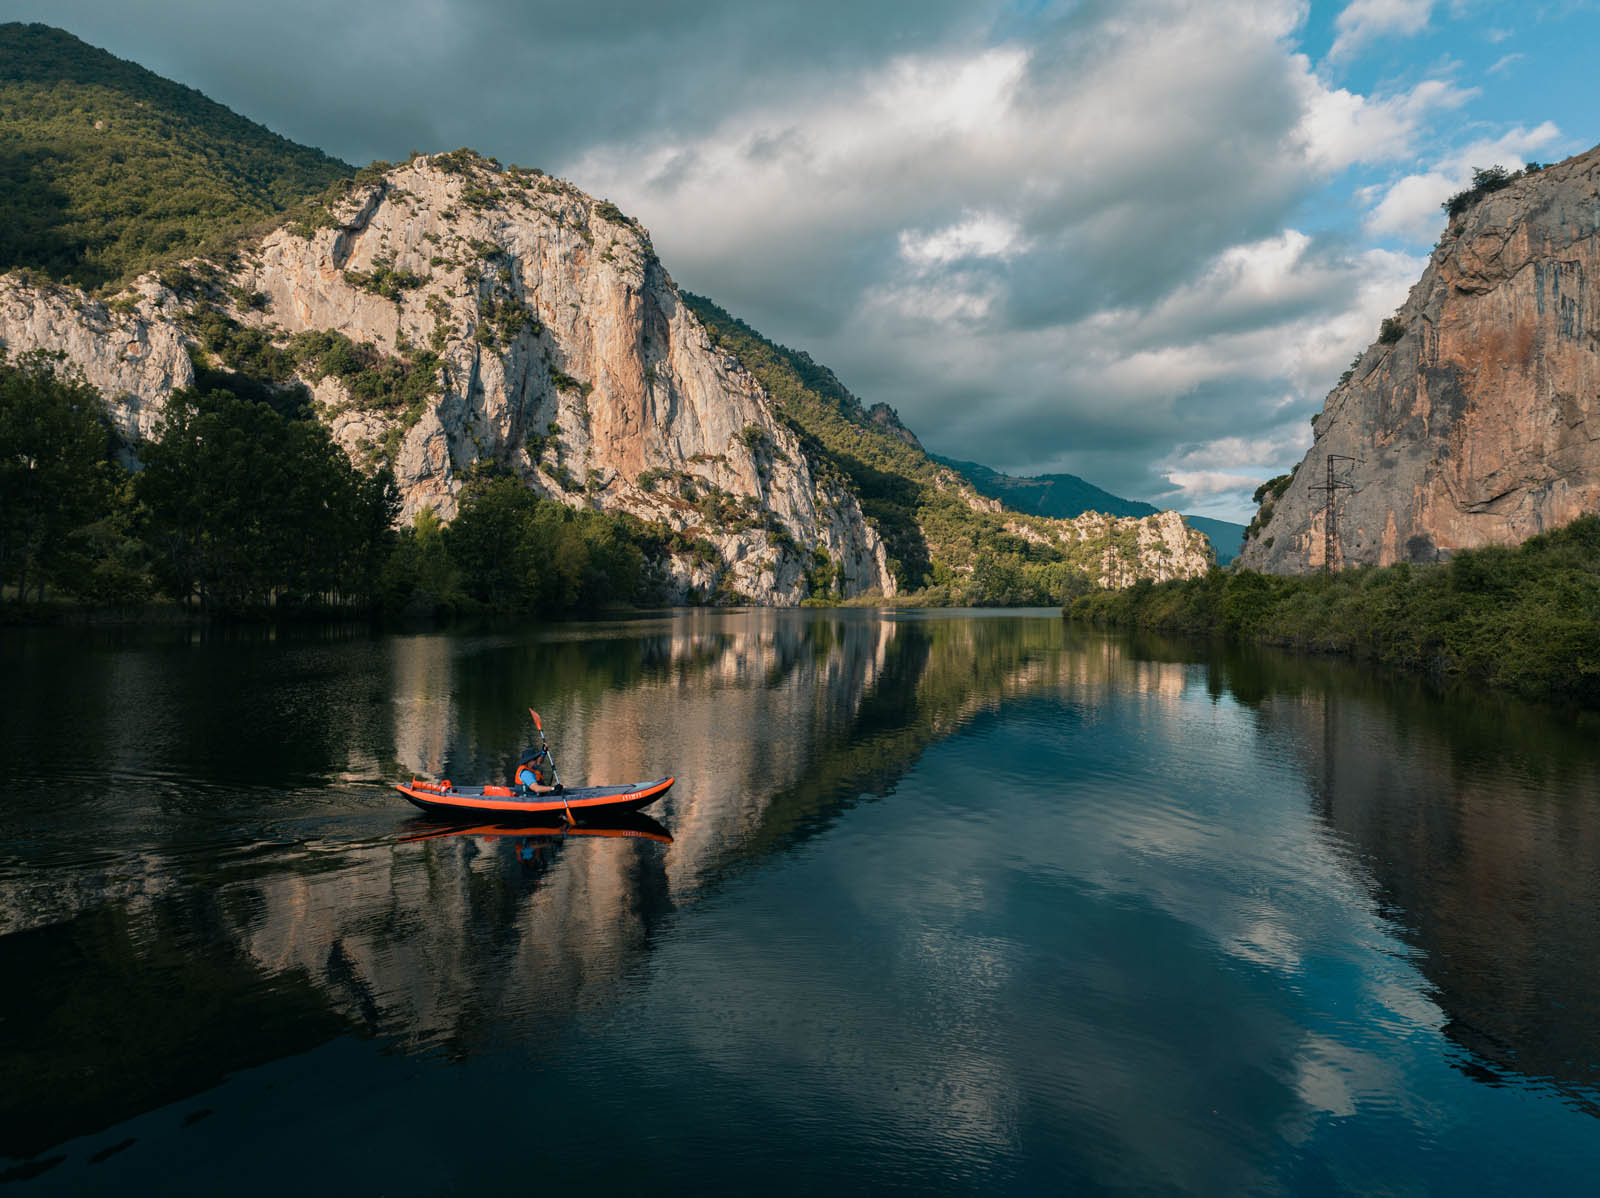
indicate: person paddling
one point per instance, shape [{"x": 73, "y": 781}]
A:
[{"x": 530, "y": 777}]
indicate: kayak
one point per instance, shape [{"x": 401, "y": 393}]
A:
[{"x": 504, "y": 804}]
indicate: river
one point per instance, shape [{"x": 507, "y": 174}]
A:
[{"x": 953, "y": 902}]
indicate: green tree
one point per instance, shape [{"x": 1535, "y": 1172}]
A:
[
  {"x": 56, "y": 472},
  {"x": 247, "y": 509},
  {"x": 419, "y": 578},
  {"x": 494, "y": 542}
]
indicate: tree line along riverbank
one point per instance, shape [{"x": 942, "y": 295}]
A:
[
  {"x": 1525, "y": 619},
  {"x": 242, "y": 506}
]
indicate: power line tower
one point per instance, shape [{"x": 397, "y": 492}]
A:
[{"x": 1330, "y": 518}]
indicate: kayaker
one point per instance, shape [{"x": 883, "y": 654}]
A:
[{"x": 530, "y": 777}]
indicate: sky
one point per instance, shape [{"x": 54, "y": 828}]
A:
[{"x": 1133, "y": 240}]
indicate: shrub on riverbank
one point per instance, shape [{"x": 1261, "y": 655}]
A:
[{"x": 1526, "y": 619}]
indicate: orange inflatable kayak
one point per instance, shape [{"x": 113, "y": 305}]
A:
[{"x": 505, "y": 804}]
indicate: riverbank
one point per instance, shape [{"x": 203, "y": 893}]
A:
[{"x": 1525, "y": 620}]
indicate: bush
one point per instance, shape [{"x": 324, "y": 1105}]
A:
[
  {"x": 1273, "y": 487},
  {"x": 1484, "y": 181},
  {"x": 383, "y": 279},
  {"x": 1525, "y": 619}
]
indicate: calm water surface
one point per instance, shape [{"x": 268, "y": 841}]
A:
[{"x": 960, "y": 903}]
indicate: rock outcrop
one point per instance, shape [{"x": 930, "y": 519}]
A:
[
  {"x": 132, "y": 354},
  {"x": 450, "y": 313},
  {"x": 1123, "y": 549},
  {"x": 553, "y": 344},
  {"x": 1475, "y": 418}
]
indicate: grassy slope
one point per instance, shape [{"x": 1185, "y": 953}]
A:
[
  {"x": 106, "y": 168},
  {"x": 1066, "y": 495},
  {"x": 1524, "y": 619}
]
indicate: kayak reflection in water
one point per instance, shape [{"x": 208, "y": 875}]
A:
[{"x": 543, "y": 837}]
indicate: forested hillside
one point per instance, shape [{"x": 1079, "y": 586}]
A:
[
  {"x": 940, "y": 535},
  {"x": 107, "y": 168}
]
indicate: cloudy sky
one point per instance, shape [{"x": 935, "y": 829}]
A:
[{"x": 1136, "y": 240}]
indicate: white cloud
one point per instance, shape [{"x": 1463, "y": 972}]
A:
[
  {"x": 1197, "y": 487},
  {"x": 1042, "y": 252},
  {"x": 1364, "y": 20},
  {"x": 1505, "y": 62},
  {"x": 1410, "y": 208},
  {"x": 983, "y": 235},
  {"x": 1340, "y": 128}
]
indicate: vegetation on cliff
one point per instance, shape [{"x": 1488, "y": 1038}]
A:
[
  {"x": 1484, "y": 181},
  {"x": 1525, "y": 619},
  {"x": 107, "y": 168},
  {"x": 939, "y": 544}
]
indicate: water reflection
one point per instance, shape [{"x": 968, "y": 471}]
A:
[
  {"x": 213, "y": 846},
  {"x": 232, "y": 871},
  {"x": 1477, "y": 820}
]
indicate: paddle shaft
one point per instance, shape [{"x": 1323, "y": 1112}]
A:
[{"x": 544, "y": 746}]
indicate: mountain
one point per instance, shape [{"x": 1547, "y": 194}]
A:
[
  {"x": 452, "y": 316},
  {"x": 936, "y": 525},
  {"x": 106, "y": 168},
  {"x": 1474, "y": 418},
  {"x": 1066, "y": 495}
]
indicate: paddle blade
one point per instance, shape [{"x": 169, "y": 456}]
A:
[{"x": 536, "y": 722}]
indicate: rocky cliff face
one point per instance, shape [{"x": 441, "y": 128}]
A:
[
  {"x": 1122, "y": 549},
  {"x": 133, "y": 355},
  {"x": 522, "y": 324},
  {"x": 1163, "y": 547},
  {"x": 566, "y": 356},
  {"x": 1476, "y": 419},
  {"x": 556, "y": 346}
]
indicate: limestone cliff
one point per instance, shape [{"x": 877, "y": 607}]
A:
[
  {"x": 546, "y": 338},
  {"x": 1475, "y": 418},
  {"x": 135, "y": 358},
  {"x": 565, "y": 355},
  {"x": 451, "y": 313}
]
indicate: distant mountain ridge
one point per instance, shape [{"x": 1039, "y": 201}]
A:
[{"x": 1064, "y": 496}]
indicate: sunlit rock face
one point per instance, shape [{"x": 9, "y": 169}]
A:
[
  {"x": 567, "y": 357},
  {"x": 133, "y": 354},
  {"x": 563, "y": 354},
  {"x": 1477, "y": 424}
]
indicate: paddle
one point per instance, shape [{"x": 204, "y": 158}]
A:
[{"x": 544, "y": 747}]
